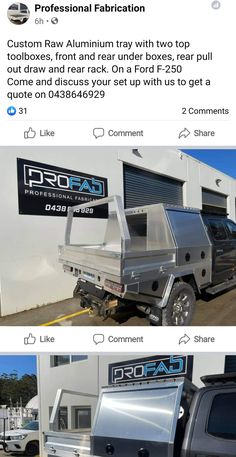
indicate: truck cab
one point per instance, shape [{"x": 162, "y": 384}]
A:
[
  {"x": 211, "y": 429},
  {"x": 24, "y": 439},
  {"x": 222, "y": 233}
]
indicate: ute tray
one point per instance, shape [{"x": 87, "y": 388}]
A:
[{"x": 139, "y": 244}]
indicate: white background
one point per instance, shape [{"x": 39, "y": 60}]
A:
[{"x": 196, "y": 21}]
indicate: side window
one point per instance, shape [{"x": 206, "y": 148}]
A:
[
  {"x": 23, "y": 8},
  {"x": 82, "y": 417},
  {"x": 222, "y": 419},
  {"x": 218, "y": 230},
  {"x": 14, "y": 6},
  {"x": 57, "y": 360},
  {"x": 62, "y": 419},
  {"x": 232, "y": 228}
]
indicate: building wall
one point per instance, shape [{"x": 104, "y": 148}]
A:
[
  {"x": 91, "y": 375},
  {"x": 80, "y": 376},
  {"x": 30, "y": 275}
]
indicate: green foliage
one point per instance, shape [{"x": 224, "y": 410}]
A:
[{"x": 14, "y": 389}]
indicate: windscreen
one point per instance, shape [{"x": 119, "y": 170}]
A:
[
  {"x": 34, "y": 425},
  {"x": 139, "y": 414}
]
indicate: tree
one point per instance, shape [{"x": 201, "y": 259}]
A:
[{"x": 15, "y": 390}]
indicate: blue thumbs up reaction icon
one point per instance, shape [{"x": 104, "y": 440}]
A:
[{"x": 11, "y": 111}]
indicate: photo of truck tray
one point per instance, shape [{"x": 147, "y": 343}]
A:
[
  {"x": 157, "y": 257},
  {"x": 166, "y": 418}
]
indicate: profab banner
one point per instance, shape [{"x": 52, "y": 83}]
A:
[
  {"x": 48, "y": 190},
  {"x": 150, "y": 368}
]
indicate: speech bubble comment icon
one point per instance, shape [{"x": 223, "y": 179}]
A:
[
  {"x": 98, "y": 338},
  {"x": 98, "y": 132}
]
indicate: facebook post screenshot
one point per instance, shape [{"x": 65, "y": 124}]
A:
[
  {"x": 151, "y": 72},
  {"x": 118, "y": 175}
]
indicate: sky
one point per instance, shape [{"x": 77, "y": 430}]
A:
[
  {"x": 221, "y": 159},
  {"x": 23, "y": 364}
]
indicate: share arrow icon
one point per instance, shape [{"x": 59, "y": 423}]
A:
[
  {"x": 184, "y": 133},
  {"x": 184, "y": 339}
]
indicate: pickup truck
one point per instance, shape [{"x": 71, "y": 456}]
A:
[
  {"x": 24, "y": 440},
  {"x": 164, "y": 418},
  {"x": 18, "y": 13},
  {"x": 157, "y": 258}
]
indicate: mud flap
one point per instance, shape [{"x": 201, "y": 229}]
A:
[{"x": 155, "y": 316}]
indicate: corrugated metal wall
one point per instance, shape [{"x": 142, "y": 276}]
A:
[
  {"x": 142, "y": 187},
  {"x": 230, "y": 364}
]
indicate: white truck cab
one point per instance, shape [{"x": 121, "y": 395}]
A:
[{"x": 25, "y": 439}]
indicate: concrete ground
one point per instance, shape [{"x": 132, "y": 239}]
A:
[
  {"x": 3, "y": 454},
  {"x": 13, "y": 454},
  {"x": 218, "y": 310}
]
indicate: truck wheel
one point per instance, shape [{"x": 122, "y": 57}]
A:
[
  {"x": 32, "y": 448},
  {"x": 5, "y": 448},
  {"x": 180, "y": 306}
]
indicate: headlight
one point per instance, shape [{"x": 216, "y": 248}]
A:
[{"x": 20, "y": 437}]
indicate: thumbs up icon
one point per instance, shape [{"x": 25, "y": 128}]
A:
[
  {"x": 29, "y": 339},
  {"x": 29, "y": 134}
]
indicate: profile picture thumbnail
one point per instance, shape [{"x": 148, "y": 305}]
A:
[{"x": 18, "y": 13}]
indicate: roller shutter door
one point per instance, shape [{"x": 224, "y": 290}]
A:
[
  {"x": 230, "y": 364},
  {"x": 214, "y": 202},
  {"x": 143, "y": 187}
]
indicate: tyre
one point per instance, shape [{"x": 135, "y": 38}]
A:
[
  {"x": 32, "y": 448},
  {"x": 5, "y": 448},
  {"x": 180, "y": 306}
]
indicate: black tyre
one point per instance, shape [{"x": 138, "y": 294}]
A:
[
  {"x": 5, "y": 448},
  {"x": 181, "y": 305},
  {"x": 32, "y": 448}
]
